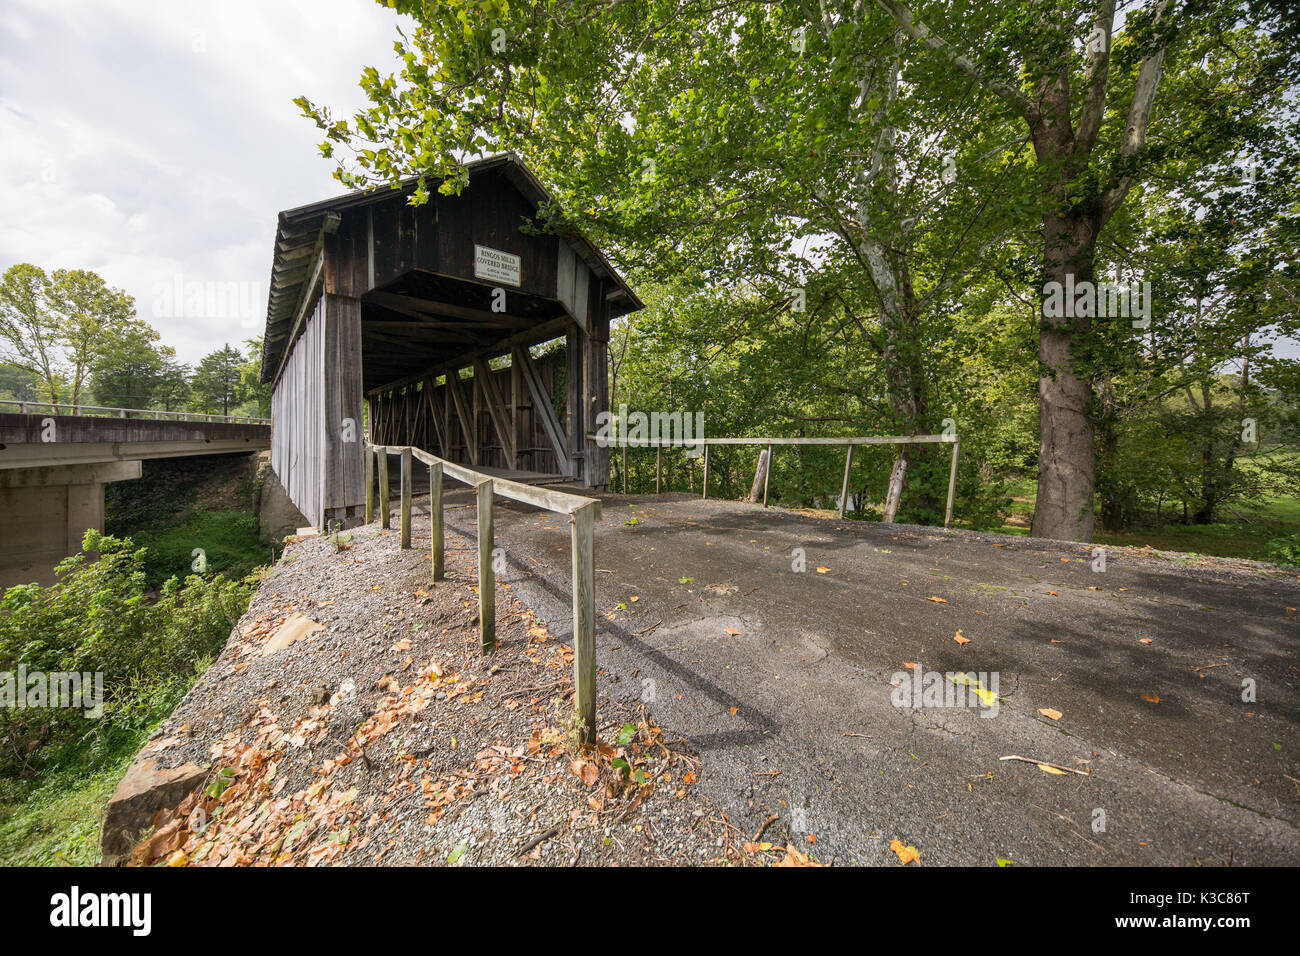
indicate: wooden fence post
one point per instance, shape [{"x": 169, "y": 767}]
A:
[
  {"x": 487, "y": 604},
  {"x": 767, "y": 473},
  {"x": 952, "y": 482},
  {"x": 406, "y": 497},
  {"x": 582, "y": 523},
  {"x": 435, "y": 520},
  {"x": 370, "y": 484},
  {"x": 844, "y": 488},
  {"x": 382, "y": 465}
]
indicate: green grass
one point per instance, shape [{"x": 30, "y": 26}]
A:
[
  {"x": 1231, "y": 538},
  {"x": 1224, "y": 540},
  {"x": 231, "y": 542},
  {"x": 57, "y": 821}
]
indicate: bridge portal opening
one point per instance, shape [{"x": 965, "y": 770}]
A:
[{"x": 461, "y": 326}]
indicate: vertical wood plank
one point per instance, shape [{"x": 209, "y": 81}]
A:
[
  {"x": 844, "y": 487},
  {"x": 952, "y": 483},
  {"x": 582, "y": 524},
  {"x": 767, "y": 474},
  {"x": 382, "y": 464},
  {"x": 370, "y": 484},
  {"x": 435, "y": 519},
  {"x": 487, "y": 598},
  {"x": 706, "y": 472},
  {"x": 406, "y": 497}
]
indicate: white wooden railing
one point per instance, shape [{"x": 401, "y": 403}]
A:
[{"x": 849, "y": 442}]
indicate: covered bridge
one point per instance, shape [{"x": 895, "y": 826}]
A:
[{"x": 426, "y": 321}]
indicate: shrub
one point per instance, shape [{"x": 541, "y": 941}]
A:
[
  {"x": 97, "y": 618},
  {"x": 1285, "y": 550}
]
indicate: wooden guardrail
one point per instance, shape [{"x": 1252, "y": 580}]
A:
[
  {"x": 583, "y": 513},
  {"x": 850, "y": 442},
  {"x": 101, "y": 411}
]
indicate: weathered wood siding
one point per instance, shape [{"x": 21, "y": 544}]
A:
[
  {"x": 297, "y": 418},
  {"x": 316, "y": 451}
]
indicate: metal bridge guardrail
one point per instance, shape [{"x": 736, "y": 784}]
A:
[
  {"x": 101, "y": 411},
  {"x": 582, "y": 513},
  {"x": 849, "y": 441}
]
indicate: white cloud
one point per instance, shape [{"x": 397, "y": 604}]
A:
[{"x": 153, "y": 139}]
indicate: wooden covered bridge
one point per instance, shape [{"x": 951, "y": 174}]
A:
[{"x": 428, "y": 326}]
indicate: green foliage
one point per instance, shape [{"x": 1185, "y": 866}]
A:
[
  {"x": 59, "y": 327},
  {"x": 97, "y": 618},
  {"x": 1285, "y": 550},
  {"x": 131, "y": 370},
  {"x": 56, "y": 821},
  {"x": 217, "y": 383},
  {"x": 231, "y": 542}
]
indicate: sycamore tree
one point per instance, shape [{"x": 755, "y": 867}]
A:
[{"x": 1089, "y": 80}]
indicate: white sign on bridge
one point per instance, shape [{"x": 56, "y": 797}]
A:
[{"x": 495, "y": 265}]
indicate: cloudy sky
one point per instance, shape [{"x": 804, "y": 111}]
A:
[{"x": 154, "y": 141}]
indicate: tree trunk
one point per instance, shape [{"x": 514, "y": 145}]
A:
[
  {"x": 897, "y": 476},
  {"x": 760, "y": 476},
  {"x": 1114, "y": 513},
  {"x": 1064, "y": 506}
]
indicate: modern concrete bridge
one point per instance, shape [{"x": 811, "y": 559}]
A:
[{"x": 53, "y": 468}]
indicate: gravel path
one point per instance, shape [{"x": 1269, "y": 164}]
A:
[{"x": 386, "y": 736}]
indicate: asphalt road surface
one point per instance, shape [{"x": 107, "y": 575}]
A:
[{"x": 781, "y": 678}]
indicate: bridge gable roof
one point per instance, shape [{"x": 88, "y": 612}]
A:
[{"x": 305, "y": 232}]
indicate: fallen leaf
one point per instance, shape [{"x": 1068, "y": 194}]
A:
[
  {"x": 757, "y": 847},
  {"x": 1046, "y": 768},
  {"x": 586, "y": 770},
  {"x": 794, "y": 858},
  {"x": 1153, "y": 698},
  {"x": 1050, "y": 713},
  {"x": 1144, "y": 640},
  {"x": 823, "y": 570},
  {"x": 731, "y": 630},
  {"x": 1002, "y": 862},
  {"x": 961, "y": 640},
  {"x": 905, "y": 853},
  {"x": 937, "y": 600},
  {"x": 910, "y": 665},
  {"x": 967, "y": 680}
]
